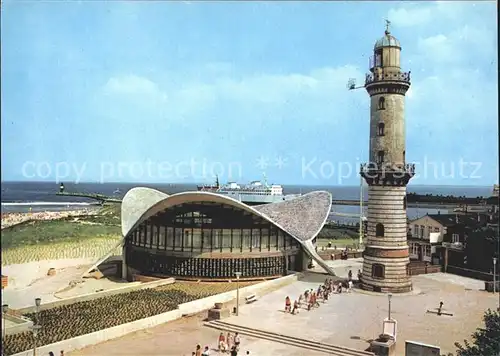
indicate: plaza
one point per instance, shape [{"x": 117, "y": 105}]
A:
[{"x": 348, "y": 319}]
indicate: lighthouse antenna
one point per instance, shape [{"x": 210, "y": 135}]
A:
[{"x": 351, "y": 84}]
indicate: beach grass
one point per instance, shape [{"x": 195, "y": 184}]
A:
[
  {"x": 87, "y": 236},
  {"x": 87, "y": 248},
  {"x": 54, "y": 231}
]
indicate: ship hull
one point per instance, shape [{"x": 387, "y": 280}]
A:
[{"x": 253, "y": 199}]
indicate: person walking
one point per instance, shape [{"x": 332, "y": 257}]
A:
[
  {"x": 288, "y": 304},
  {"x": 229, "y": 340},
  {"x": 237, "y": 341},
  {"x": 222, "y": 343}
]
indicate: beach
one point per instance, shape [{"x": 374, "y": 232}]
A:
[{"x": 11, "y": 219}]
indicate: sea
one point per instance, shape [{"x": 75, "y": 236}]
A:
[{"x": 41, "y": 196}]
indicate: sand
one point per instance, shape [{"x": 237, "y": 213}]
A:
[{"x": 29, "y": 281}]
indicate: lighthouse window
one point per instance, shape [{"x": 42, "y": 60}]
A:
[
  {"x": 381, "y": 103},
  {"x": 378, "y": 271},
  {"x": 381, "y": 127},
  {"x": 379, "y": 230},
  {"x": 380, "y": 157}
]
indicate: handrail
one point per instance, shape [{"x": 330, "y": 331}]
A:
[
  {"x": 384, "y": 76},
  {"x": 375, "y": 167}
]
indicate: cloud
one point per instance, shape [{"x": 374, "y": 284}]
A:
[
  {"x": 438, "y": 12},
  {"x": 408, "y": 17},
  {"x": 254, "y": 93},
  {"x": 130, "y": 84}
]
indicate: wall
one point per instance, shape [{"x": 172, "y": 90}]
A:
[
  {"x": 207, "y": 303},
  {"x": 184, "y": 309},
  {"x": 95, "y": 295},
  {"x": 20, "y": 324},
  {"x": 470, "y": 273},
  {"x": 414, "y": 271}
]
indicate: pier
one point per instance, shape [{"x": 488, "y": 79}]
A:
[{"x": 101, "y": 198}]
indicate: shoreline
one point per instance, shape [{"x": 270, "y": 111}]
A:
[{"x": 11, "y": 219}]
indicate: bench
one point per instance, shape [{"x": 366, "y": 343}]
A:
[{"x": 251, "y": 298}]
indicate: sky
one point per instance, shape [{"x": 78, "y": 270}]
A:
[{"x": 123, "y": 91}]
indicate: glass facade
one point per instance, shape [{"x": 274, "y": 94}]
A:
[
  {"x": 176, "y": 241},
  {"x": 208, "y": 227}
]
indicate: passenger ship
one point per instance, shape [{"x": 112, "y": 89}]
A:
[{"x": 254, "y": 193}]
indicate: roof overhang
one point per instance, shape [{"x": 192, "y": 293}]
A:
[{"x": 302, "y": 217}]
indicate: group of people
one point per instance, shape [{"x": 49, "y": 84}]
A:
[
  {"x": 229, "y": 343},
  {"x": 226, "y": 344},
  {"x": 310, "y": 298},
  {"x": 199, "y": 352}
]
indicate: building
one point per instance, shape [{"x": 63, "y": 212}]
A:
[
  {"x": 465, "y": 241},
  {"x": 203, "y": 235},
  {"x": 430, "y": 232},
  {"x": 386, "y": 258}
]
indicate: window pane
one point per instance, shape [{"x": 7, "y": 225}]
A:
[
  {"x": 226, "y": 239},
  {"x": 170, "y": 238},
  {"x": 236, "y": 239},
  {"x": 142, "y": 237},
  {"x": 196, "y": 239},
  {"x": 178, "y": 239},
  {"x": 246, "y": 238},
  {"x": 154, "y": 233},
  {"x": 186, "y": 235},
  {"x": 217, "y": 239},
  {"x": 265, "y": 239},
  {"x": 161, "y": 234},
  {"x": 255, "y": 238},
  {"x": 280, "y": 239},
  {"x": 207, "y": 239}
]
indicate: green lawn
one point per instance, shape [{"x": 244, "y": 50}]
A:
[
  {"x": 346, "y": 242},
  {"x": 53, "y": 231},
  {"x": 72, "y": 237}
]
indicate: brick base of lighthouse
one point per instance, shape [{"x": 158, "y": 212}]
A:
[
  {"x": 396, "y": 278},
  {"x": 386, "y": 256}
]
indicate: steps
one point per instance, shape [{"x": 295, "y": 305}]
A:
[{"x": 289, "y": 340}]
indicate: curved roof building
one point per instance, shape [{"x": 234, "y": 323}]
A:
[{"x": 202, "y": 235}]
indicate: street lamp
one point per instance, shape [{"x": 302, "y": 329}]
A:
[
  {"x": 238, "y": 275},
  {"x": 38, "y": 302},
  {"x": 5, "y": 309},
  {"x": 35, "y": 329},
  {"x": 494, "y": 274},
  {"x": 389, "y": 297}
]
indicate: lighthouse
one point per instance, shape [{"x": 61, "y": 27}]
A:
[{"x": 386, "y": 256}]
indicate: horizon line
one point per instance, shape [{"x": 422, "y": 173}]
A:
[{"x": 201, "y": 183}]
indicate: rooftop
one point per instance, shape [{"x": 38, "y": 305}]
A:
[
  {"x": 455, "y": 219},
  {"x": 387, "y": 41},
  {"x": 302, "y": 217}
]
